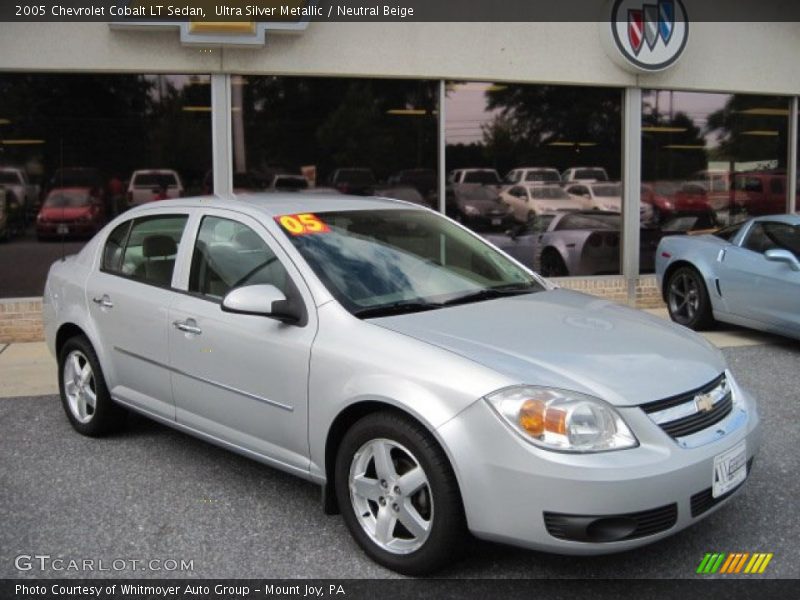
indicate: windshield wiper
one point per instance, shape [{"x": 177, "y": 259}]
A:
[
  {"x": 397, "y": 308},
  {"x": 499, "y": 291}
]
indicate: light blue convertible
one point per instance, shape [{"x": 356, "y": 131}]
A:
[{"x": 747, "y": 274}]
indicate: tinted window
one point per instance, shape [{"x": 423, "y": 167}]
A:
[
  {"x": 155, "y": 179},
  {"x": 549, "y": 193},
  {"x": 758, "y": 240},
  {"x": 228, "y": 254},
  {"x": 486, "y": 177},
  {"x": 9, "y": 177},
  {"x": 584, "y": 221},
  {"x": 112, "y": 253},
  {"x": 542, "y": 176},
  {"x": 769, "y": 235},
  {"x": 728, "y": 233},
  {"x": 597, "y": 174},
  {"x": 151, "y": 248}
]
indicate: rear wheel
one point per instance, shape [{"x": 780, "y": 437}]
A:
[
  {"x": 687, "y": 299},
  {"x": 398, "y": 495},
  {"x": 84, "y": 394},
  {"x": 553, "y": 265}
]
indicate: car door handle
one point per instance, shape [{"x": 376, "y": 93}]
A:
[
  {"x": 189, "y": 326},
  {"x": 103, "y": 301}
]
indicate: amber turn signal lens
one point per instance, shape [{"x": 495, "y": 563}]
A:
[{"x": 531, "y": 417}]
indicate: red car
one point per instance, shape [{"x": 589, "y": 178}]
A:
[
  {"x": 673, "y": 198},
  {"x": 70, "y": 212},
  {"x": 760, "y": 193}
]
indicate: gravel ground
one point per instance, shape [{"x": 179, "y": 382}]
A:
[{"x": 153, "y": 493}]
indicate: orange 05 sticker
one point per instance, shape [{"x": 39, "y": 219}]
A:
[{"x": 302, "y": 224}]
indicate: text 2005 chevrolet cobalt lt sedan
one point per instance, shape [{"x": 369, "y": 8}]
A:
[{"x": 429, "y": 383}]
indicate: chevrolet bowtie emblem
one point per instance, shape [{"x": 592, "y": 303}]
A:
[{"x": 704, "y": 402}]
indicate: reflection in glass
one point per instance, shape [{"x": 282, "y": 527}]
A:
[
  {"x": 350, "y": 136},
  {"x": 505, "y": 137},
  {"x": 70, "y": 145},
  {"x": 719, "y": 158}
]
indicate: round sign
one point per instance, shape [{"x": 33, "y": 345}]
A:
[{"x": 646, "y": 36}]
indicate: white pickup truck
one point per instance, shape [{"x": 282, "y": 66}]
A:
[{"x": 19, "y": 189}]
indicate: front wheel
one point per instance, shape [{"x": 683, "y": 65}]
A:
[
  {"x": 687, "y": 299},
  {"x": 398, "y": 494}
]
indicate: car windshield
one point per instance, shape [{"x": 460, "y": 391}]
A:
[
  {"x": 549, "y": 192},
  {"x": 154, "y": 180},
  {"x": 489, "y": 177},
  {"x": 67, "y": 199},
  {"x": 597, "y": 174},
  {"x": 383, "y": 262},
  {"x": 607, "y": 191},
  {"x": 8, "y": 177},
  {"x": 542, "y": 176}
]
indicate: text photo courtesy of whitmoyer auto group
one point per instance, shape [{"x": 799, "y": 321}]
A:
[{"x": 346, "y": 299}]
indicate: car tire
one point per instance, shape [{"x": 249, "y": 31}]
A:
[
  {"x": 687, "y": 299},
  {"x": 84, "y": 394},
  {"x": 553, "y": 265},
  {"x": 377, "y": 517}
]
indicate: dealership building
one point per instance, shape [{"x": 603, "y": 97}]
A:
[{"x": 679, "y": 125}]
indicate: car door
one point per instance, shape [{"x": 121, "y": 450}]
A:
[
  {"x": 128, "y": 296},
  {"x": 757, "y": 288},
  {"x": 236, "y": 377}
]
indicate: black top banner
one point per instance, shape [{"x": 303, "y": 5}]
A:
[{"x": 293, "y": 11}]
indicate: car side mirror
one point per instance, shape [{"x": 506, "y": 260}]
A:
[
  {"x": 262, "y": 300},
  {"x": 784, "y": 256}
]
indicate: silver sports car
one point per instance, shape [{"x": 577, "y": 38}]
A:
[
  {"x": 747, "y": 274},
  {"x": 430, "y": 384}
]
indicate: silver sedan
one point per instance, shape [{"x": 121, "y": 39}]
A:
[{"x": 430, "y": 384}]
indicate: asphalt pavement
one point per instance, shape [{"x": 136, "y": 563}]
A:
[{"x": 153, "y": 493}]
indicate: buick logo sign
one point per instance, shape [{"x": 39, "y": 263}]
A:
[{"x": 646, "y": 36}]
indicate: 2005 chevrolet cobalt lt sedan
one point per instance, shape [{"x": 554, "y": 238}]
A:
[{"x": 428, "y": 382}]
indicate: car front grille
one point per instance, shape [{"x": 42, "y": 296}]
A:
[
  {"x": 692, "y": 411},
  {"x": 704, "y": 501}
]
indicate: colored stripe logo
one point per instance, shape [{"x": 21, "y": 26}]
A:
[{"x": 734, "y": 562}]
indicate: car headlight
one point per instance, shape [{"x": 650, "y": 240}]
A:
[
  {"x": 471, "y": 210},
  {"x": 561, "y": 420}
]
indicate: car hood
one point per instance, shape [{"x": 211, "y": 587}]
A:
[{"x": 572, "y": 341}]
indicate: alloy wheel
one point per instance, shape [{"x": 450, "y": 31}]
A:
[
  {"x": 684, "y": 297},
  {"x": 79, "y": 386},
  {"x": 391, "y": 496}
]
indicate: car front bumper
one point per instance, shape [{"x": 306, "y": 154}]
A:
[{"x": 508, "y": 484}]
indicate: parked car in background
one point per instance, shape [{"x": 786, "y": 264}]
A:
[
  {"x": 19, "y": 189},
  {"x": 747, "y": 274},
  {"x": 521, "y": 240},
  {"x": 70, "y": 212},
  {"x": 475, "y": 176},
  {"x": 287, "y": 182},
  {"x": 429, "y": 385},
  {"x": 677, "y": 198},
  {"x": 404, "y": 192},
  {"x": 607, "y": 197},
  {"x": 584, "y": 175},
  {"x": 423, "y": 180},
  {"x": 147, "y": 185},
  {"x": 477, "y": 206},
  {"x": 531, "y": 199},
  {"x": 353, "y": 181},
  {"x": 243, "y": 183},
  {"x": 760, "y": 193},
  {"x": 588, "y": 243},
  {"x": 532, "y": 175}
]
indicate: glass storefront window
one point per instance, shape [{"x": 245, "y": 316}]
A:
[
  {"x": 336, "y": 135},
  {"x": 76, "y": 150},
  {"x": 522, "y": 158},
  {"x": 710, "y": 160}
]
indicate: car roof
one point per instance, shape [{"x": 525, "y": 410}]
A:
[
  {"x": 278, "y": 203},
  {"x": 789, "y": 219}
]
